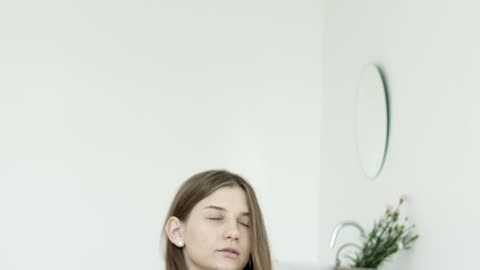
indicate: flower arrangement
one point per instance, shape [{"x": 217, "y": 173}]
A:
[{"x": 387, "y": 236}]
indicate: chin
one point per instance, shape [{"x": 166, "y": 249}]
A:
[{"x": 228, "y": 266}]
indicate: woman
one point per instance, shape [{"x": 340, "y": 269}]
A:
[{"x": 215, "y": 222}]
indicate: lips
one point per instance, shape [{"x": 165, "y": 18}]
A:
[{"x": 231, "y": 251}]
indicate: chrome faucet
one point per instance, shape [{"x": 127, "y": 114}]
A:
[
  {"x": 341, "y": 226},
  {"x": 337, "y": 257},
  {"x": 335, "y": 234}
]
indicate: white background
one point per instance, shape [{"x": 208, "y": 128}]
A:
[{"x": 107, "y": 106}]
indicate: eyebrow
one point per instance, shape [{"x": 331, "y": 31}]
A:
[{"x": 224, "y": 210}]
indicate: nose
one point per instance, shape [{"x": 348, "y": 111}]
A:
[{"x": 231, "y": 230}]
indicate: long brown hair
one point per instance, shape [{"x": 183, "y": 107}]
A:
[{"x": 200, "y": 186}]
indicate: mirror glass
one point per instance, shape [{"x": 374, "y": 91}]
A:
[{"x": 372, "y": 120}]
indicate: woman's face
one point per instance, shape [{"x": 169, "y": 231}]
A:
[{"x": 217, "y": 234}]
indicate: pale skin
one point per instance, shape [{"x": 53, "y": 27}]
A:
[{"x": 216, "y": 235}]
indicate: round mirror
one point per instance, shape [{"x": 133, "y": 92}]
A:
[{"x": 372, "y": 121}]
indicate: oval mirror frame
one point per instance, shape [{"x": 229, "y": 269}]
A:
[{"x": 373, "y": 120}]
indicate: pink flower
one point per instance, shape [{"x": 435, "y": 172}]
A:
[
  {"x": 404, "y": 197},
  {"x": 389, "y": 208}
]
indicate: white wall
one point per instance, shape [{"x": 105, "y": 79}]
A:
[
  {"x": 107, "y": 106},
  {"x": 429, "y": 52}
]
